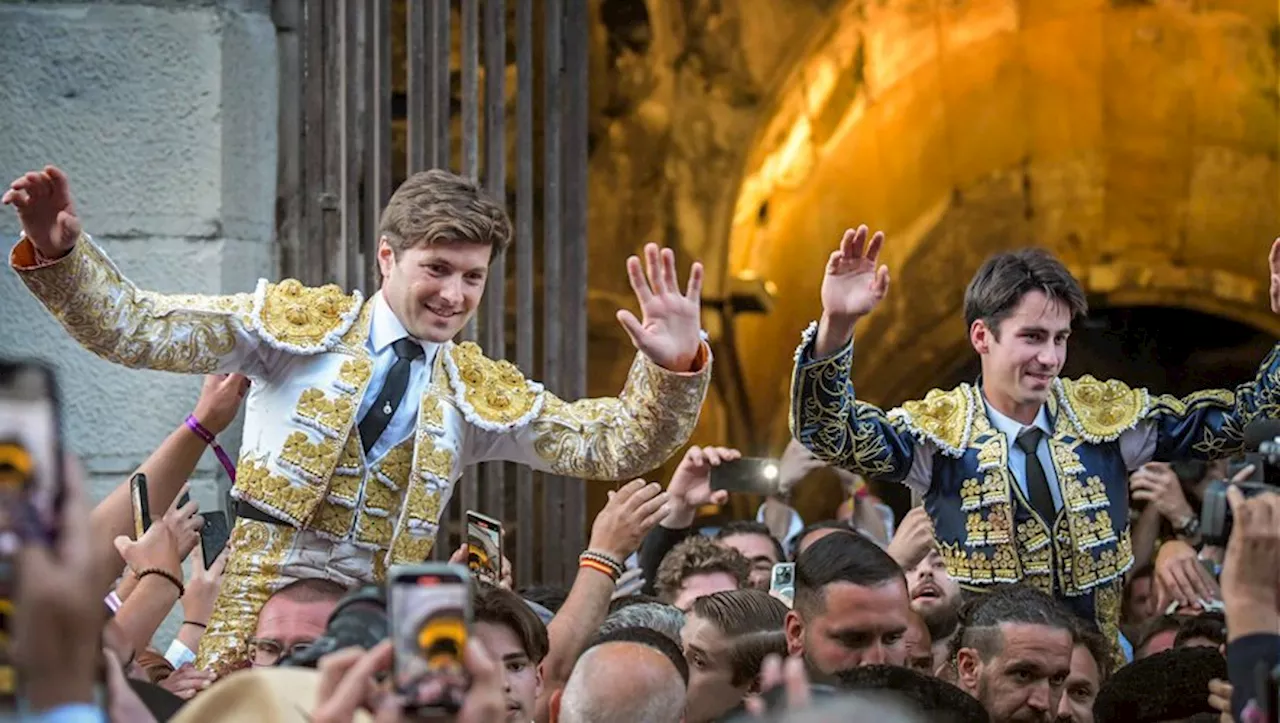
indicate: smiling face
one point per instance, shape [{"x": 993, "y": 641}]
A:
[
  {"x": 434, "y": 289},
  {"x": 1022, "y": 354}
]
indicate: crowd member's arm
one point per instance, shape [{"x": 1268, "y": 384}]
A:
[
  {"x": 913, "y": 540},
  {"x": 689, "y": 489},
  {"x": 1144, "y": 534},
  {"x": 156, "y": 567},
  {"x": 168, "y": 467},
  {"x": 59, "y": 617},
  {"x": 197, "y": 608},
  {"x": 616, "y": 532},
  {"x": 1157, "y": 485},
  {"x": 1251, "y": 593}
]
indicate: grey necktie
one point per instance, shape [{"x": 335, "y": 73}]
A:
[{"x": 1037, "y": 481}]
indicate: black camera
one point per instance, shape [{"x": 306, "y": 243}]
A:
[
  {"x": 360, "y": 619},
  {"x": 1263, "y": 438}
]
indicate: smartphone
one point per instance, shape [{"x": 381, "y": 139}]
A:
[
  {"x": 213, "y": 536},
  {"x": 141, "y": 505},
  {"x": 430, "y": 609},
  {"x": 31, "y": 485},
  {"x": 751, "y": 475},
  {"x": 484, "y": 547},
  {"x": 783, "y": 580}
]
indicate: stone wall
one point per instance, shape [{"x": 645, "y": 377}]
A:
[{"x": 163, "y": 114}]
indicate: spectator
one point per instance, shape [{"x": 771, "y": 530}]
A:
[
  {"x": 1169, "y": 686},
  {"x": 936, "y": 596},
  {"x": 625, "y": 681},
  {"x": 292, "y": 619},
  {"x": 755, "y": 543},
  {"x": 1208, "y": 630},
  {"x": 919, "y": 645},
  {"x": 1013, "y": 652},
  {"x": 517, "y": 640},
  {"x": 658, "y": 616},
  {"x": 725, "y": 640},
  {"x": 698, "y": 566},
  {"x": 851, "y": 607},
  {"x": 1156, "y": 635},
  {"x": 1090, "y": 666},
  {"x": 1139, "y": 601}
]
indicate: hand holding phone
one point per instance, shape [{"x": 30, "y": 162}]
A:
[
  {"x": 484, "y": 547},
  {"x": 430, "y": 608},
  {"x": 141, "y": 505}
]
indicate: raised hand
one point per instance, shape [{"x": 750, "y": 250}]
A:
[
  {"x": 854, "y": 283},
  {"x": 48, "y": 215},
  {"x": 219, "y": 401},
  {"x": 690, "y": 486},
  {"x": 670, "y": 328}
]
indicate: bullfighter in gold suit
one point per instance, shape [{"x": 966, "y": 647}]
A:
[{"x": 363, "y": 412}]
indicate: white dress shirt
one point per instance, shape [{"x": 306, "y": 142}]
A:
[
  {"x": 384, "y": 330},
  {"x": 1012, "y": 429}
]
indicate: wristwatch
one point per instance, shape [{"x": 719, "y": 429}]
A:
[{"x": 1190, "y": 528}]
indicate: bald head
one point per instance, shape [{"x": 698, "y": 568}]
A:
[{"x": 623, "y": 682}]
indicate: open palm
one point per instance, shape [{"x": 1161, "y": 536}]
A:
[
  {"x": 48, "y": 215},
  {"x": 669, "y": 330},
  {"x": 854, "y": 283}
]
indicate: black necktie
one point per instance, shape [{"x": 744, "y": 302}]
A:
[
  {"x": 393, "y": 387},
  {"x": 1037, "y": 482}
]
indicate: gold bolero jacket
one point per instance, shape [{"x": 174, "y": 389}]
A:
[{"x": 304, "y": 348}]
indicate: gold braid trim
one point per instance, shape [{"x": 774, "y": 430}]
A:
[
  {"x": 942, "y": 417},
  {"x": 1102, "y": 411},
  {"x": 301, "y": 319}
]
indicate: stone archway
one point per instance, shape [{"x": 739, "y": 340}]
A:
[{"x": 1137, "y": 141}]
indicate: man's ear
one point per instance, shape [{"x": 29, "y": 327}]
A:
[
  {"x": 980, "y": 336},
  {"x": 968, "y": 670},
  {"x": 386, "y": 257},
  {"x": 793, "y": 626}
]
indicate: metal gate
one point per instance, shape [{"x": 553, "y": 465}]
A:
[{"x": 373, "y": 90}]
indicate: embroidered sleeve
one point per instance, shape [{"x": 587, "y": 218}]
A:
[
  {"x": 1210, "y": 424},
  {"x": 188, "y": 333},
  {"x": 831, "y": 422},
  {"x": 607, "y": 438}
]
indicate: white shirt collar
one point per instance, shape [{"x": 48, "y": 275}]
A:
[
  {"x": 385, "y": 329},
  {"x": 1011, "y": 428}
]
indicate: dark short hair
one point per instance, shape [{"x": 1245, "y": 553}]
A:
[
  {"x": 498, "y": 606},
  {"x": 1018, "y": 604},
  {"x": 1005, "y": 278},
  {"x": 1172, "y": 685},
  {"x": 751, "y": 527},
  {"x": 848, "y": 558},
  {"x": 941, "y": 701},
  {"x": 550, "y": 597},
  {"x": 1098, "y": 646},
  {"x": 1210, "y": 626},
  {"x": 1153, "y": 627},
  {"x": 648, "y": 638},
  {"x": 814, "y": 527},
  {"x": 752, "y": 621}
]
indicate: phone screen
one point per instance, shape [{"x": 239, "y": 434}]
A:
[
  {"x": 484, "y": 547},
  {"x": 31, "y": 476},
  {"x": 752, "y": 475},
  {"x": 31, "y": 441},
  {"x": 213, "y": 536},
  {"x": 430, "y": 617},
  {"x": 141, "y": 505}
]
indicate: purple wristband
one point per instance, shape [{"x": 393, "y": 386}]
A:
[{"x": 194, "y": 425}]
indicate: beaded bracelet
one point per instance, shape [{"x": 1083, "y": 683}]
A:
[
  {"x": 615, "y": 568},
  {"x": 182, "y": 590},
  {"x": 598, "y": 567}
]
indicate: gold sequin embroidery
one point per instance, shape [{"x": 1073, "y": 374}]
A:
[
  {"x": 393, "y": 469},
  {"x": 380, "y": 498},
  {"x": 373, "y": 531},
  {"x": 331, "y": 417},
  {"x": 353, "y": 375},
  {"x": 333, "y": 520},
  {"x": 291, "y": 501},
  {"x": 1103, "y": 410},
  {"x": 315, "y": 461},
  {"x": 942, "y": 416},
  {"x": 495, "y": 390},
  {"x": 432, "y": 460},
  {"x": 305, "y": 317}
]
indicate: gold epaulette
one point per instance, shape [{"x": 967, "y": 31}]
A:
[
  {"x": 942, "y": 417},
  {"x": 1102, "y": 410},
  {"x": 492, "y": 394},
  {"x": 302, "y": 319}
]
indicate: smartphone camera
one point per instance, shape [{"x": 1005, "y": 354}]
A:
[
  {"x": 783, "y": 580},
  {"x": 431, "y": 614}
]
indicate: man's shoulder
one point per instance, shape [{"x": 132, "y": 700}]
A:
[
  {"x": 1102, "y": 410},
  {"x": 944, "y": 417},
  {"x": 304, "y": 319},
  {"x": 491, "y": 393}
]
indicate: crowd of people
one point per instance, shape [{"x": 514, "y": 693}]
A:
[{"x": 1055, "y": 569}]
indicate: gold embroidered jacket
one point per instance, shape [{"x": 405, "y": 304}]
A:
[
  {"x": 945, "y": 447},
  {"x": 305, "y": 350}
]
